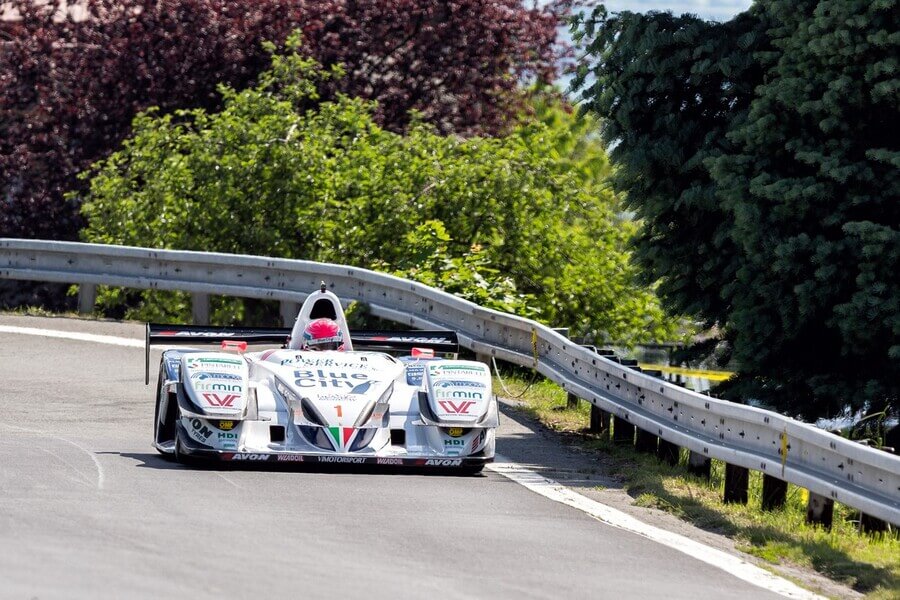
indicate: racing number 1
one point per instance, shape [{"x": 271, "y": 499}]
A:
[{"x": 337, "y": 407}]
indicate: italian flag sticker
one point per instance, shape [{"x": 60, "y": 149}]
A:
[{"x": 341, "y": 436}]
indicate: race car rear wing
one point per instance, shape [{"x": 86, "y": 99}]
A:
[{"x": 441, "y": 342}]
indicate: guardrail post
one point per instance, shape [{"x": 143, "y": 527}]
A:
[
  {"x": 622, "y": 431},
  {"x": 737, "y": 480},
  {"x": 200, "y": 308},
  {"x": 869, "y": 524},
  {"x": 646, "y": 442},
  {"x": 289, "y": 310},
  {"x": 820, "y": 510},
  {"x": 668, "y": 452},
  {"x": 700, "y": 465},
  {"x": 599, "y": 420},
  {"x": 774, "y": 492},
  {"x": 87, "y": 296},
  {"x": 571, "y": 401}
]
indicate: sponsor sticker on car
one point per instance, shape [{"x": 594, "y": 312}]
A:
[
  {"x": 459, "y": 407},
  {"x": 414, "y": 374},
  {"x": 353, "y": 460},
  {"x": 457, "y": 369},
  {"x": 220, "y": 400},
  {"x": 246, "y": 457},
  {"x": 441, "y": 462},
  {"x": 203, "y": 375},
  {"x": 330, "y": 379},
  {"x": 199, "y": 430},
  {"x": 361, "y": 363},
  {"x": 453, "y": 383},
  {"x": 230, "y": 364},
  {"x": 218, "y": 387},
  {"x": 288, "y": 458}
]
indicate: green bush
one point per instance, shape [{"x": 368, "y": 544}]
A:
[{"x": 521, "y": 223}]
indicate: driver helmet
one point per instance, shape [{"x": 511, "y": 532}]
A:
[{"x": 323, "y": 334}]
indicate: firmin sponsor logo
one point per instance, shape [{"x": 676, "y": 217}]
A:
[
  {"x": 218, "y": 387},
  {"x": 458, "y": 394}
]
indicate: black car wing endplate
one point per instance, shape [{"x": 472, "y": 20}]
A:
[{"x": 443, "y": 342}]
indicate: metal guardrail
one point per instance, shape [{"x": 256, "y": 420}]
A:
[{"x": 836, "y": 468}]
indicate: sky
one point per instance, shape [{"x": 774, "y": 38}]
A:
[{"x": 719, "y": 10}]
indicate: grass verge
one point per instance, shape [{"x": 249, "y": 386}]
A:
[
  {"x": 37, "y": 311},
  {"x": 868, "y": 564}
]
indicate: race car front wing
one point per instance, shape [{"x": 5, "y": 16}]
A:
[{"x": 186, "y": 448}]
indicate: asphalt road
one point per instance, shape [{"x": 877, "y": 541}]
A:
[{"x": 89, "y": 510}]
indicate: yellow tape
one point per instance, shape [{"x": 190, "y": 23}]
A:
[
  {"x": 701, "y": 373},
  {"x": 784, "y": 450},
  {"x": 534, "y": 347}
]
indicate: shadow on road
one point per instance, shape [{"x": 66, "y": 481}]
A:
[{"x": 552, "y": 454}]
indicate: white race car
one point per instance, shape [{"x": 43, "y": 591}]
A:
[{"x": 358, "y": 405}]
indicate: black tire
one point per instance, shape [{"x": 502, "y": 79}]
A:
[
  {"x": 159, "y": 381},
  {"x": 181, "y": 457}
]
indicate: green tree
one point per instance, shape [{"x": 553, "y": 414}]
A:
[
  {"x": 277, "y": 172},
  {"x": 669, "y": 89},
  {"x": 813, "y": 184},
  {"x": 762, "y": 156}
]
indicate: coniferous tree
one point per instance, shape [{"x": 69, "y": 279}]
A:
[
  {"x": 812, "y": 183},
  {"x": 762, "y": 154},
  {"x": 669, "y": 89}
]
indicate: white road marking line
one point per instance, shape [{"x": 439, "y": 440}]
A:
[
  {"x": 100, "y": 474},
  {"x": 82, "y": 478},
  {"x": 731, "y": 564},
  {"x": 74, "y": 335},
  {"x": 538, "y": 484},
  {"x": 228, "y": 480}
]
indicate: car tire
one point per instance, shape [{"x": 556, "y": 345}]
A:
[
  {"x": 181, "y": 457},
  {"x": 159, "y": 382}
]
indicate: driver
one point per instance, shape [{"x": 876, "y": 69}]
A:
[{"x": 322, "y": 334}]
